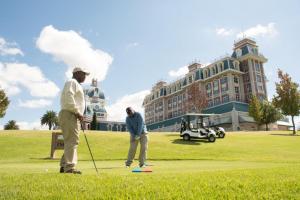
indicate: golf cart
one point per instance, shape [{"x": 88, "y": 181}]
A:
[
  {"x": 220, "y": 132},
  {"x": 198, "y": 129}
]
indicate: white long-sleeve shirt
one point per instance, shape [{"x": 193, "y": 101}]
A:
[{"x": 72, "y": 97}]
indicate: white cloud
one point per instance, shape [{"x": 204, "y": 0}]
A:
[
  {"x": 7, "y": 48},
  {"x": 74, "y": 50},
  {"x": 35, "y": 125},
  {"x": 16, "y": 75},
  {"x": 116, "y": 111},
  {"x": 259, "y": 30},
  {"x": 35, "y": 103},
  {"x": 179, "y": 72},
  {"x": 224, "y": 32}
]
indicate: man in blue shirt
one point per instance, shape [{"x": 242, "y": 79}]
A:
[{"x": 138, "y": 133}]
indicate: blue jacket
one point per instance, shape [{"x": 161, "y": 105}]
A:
[{"x": 135, "y": 124}]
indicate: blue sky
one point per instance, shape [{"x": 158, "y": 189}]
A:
[{"x": 131, "y": 44}]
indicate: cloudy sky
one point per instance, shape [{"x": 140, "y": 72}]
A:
[{"x": 129, "y": 45}]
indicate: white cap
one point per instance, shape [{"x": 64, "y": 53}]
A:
[{"x": 79, "y": 69}]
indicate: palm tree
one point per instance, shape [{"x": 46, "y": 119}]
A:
[
  {"x": 11, "y": 125},
  {"x": 49, "y": 118}
]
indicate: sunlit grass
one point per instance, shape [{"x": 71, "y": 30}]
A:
[{"x": 245, "y": 165}]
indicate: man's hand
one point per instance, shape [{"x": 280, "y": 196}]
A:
[{"x": 79, "y": 116}]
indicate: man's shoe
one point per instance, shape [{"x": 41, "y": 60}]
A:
[
  {"x": 143, "y": 166},
  {"x": 62, "y": 170},
  {"x": 73, "y": 171}
]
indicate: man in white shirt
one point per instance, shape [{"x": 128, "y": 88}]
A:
[{"x": 71, "y": 115}]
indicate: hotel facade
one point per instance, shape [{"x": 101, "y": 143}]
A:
[{"x": 224, "y": 87}]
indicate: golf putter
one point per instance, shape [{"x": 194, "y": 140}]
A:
[{"x": 89, "y": 147}]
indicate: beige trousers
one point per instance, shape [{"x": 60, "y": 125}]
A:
[
  {"x": 70, "y": 127},
  {"x": 143, "y": 149}
]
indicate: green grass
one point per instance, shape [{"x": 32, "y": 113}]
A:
[{"x": 245, "y": 165}]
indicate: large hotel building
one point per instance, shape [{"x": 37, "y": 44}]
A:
[{"x": 224, "y": 87}]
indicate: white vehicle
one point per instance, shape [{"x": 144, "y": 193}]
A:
[
  {"x": 197, "y": 130},
  {"x": 220, "y": 131}
]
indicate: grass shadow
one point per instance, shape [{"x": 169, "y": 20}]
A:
[
  {"x": 171, "y": 134},
  {"x": 282, "y": 134},
  {"x": 46, "y": 158},
  {"x": 191, "y": 142}
]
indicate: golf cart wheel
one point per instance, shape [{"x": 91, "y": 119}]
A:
[
  {"x": 221, "y": 135},
  {"x": 211, "y": 138},
  {"x": 186, "y": 137}
]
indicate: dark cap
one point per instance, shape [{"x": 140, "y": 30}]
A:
[{"x": 129, "y": 110}]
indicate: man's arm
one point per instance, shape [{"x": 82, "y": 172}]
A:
[
  {"x": 129, "y": 127},
  {"x": 140, "y": 123},
  {"x": 70, "y": 90}
]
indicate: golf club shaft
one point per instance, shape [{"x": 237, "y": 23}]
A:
[{"x": 89, "y": 147}]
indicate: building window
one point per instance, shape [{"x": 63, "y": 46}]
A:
[
  {"x": 179, "y": 99},
  {"x": 225, "y": 98},
  {"x": 170, "y": 104},
  {"x": 236, "y": 79},
  {"x": 217, "y": 101},
  {"x": 258, "y": 78},
  {"x": 190, "y": 79},
  {"x": 237, "y": 97},
  {"x": 216, "y": 86},
  {"x": 175, "y": 114},
  {"x": 208, "y": 89},
  {"x": 248, "y": 86},
  {"x": 224, "y": 84},
  {"x": 236, "y": 89},
  {"x": 260, "y": 88},
  {"x": 257, "y": 67},
  {"x": 210, "y": 103},
  {"x": 175, "y": 101}
]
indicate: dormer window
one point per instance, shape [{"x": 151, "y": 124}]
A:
[
  {"x": 190, "y": 79},
  {"x": 238, "y": 53}
]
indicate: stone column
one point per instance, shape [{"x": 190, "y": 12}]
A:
[{"x": 235, "y": 119}]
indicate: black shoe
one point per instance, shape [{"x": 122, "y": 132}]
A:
[
  {"x": 62, "y": 170},
  {"x": 73, "y": 171},
  {"x": 143, "y": 166}
]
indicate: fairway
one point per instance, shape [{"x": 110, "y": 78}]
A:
[{"x": 244, "y": 165}]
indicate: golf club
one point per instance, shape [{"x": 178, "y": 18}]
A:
[{"x": 89, "y": 147}]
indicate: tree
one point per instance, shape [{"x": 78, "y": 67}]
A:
[
  {"x": 49, "y": 118},
  {"x": 11, "y": 125},
  {"x": 269, "y": 114},
  {"x": 196, "y": 99},
  {"x": 263, "y": 112},
  {"x": 94, "y": 122},
  {"x": 255, "y": 110},
  {"x": 4, "y": 102},
  {"x": 287, "y": 98}
]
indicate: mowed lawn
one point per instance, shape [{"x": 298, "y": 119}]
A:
[{"x": 243, "y": 165}]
